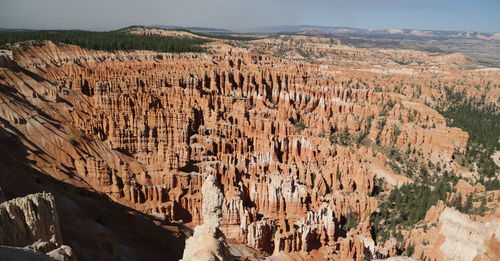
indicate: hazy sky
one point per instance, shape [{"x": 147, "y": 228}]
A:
[{"x": 467, "y": 15}]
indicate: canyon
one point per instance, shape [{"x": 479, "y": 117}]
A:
[{"x": 300, "y": 149}]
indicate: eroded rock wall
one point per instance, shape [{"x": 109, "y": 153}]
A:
[{"x": 145, "y": 127}]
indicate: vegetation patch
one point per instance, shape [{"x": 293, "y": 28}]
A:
[
  {"x": 407, "y": 205},
  {"x": 108, "y": 41},
  {"x": 298, "y": 123},
  {"x": 483, "y": 127}
]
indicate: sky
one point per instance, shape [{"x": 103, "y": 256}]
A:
[{"x": 462, "y": 15}]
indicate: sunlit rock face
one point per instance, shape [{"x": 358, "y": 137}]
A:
[
  {"x": 145, "y": 128},
  {"x": 208, "y": 242},
  {"x": 456, "y": 236}
]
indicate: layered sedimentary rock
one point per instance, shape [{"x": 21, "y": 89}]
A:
[
  {"x": 208, "y": 242},
  {"x": 32, "y": 222},
  {"x": 282, "y": 137},
  {"x": 259, "y": 234},
  {"x": 465, "y": 239},
  {"x": 316, "y": 230},
  {"x": 456, "y": 236}
]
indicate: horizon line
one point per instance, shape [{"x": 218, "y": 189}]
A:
[{"x": 248, "y": 29}]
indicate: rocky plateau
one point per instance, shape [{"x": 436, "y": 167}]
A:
[{"x": 276, "y": 151}]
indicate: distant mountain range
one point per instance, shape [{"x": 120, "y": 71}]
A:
[
  {"x": 14, "y": 30},
  {"x": 194, "y": 29},
  {"x": 333, "y": 31},
  {"x": 387, "y": 33},
  {"x": 293, "y": 28}
]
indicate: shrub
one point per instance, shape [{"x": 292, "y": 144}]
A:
[
  {"x": 72, "y": 141},
  {"x": 274, "y": 228}
]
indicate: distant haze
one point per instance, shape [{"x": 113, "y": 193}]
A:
[{"x": 462, "y": 15}]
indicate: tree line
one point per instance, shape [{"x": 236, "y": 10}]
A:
[
  {"x": 483, "y": 127},
  {"x": 108, "y": 41}
]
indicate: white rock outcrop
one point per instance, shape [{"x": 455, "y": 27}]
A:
[
  {"x": 64, "y": 253},
  {"x": 29, "y": 227},
  {"x": 30, "y": 221},
  {"x": 6, "y": 60},
  {"x": 464, "y": 238},
  {"x": 208, "y": 243},
  {"x": 259, "y": 235},
  {"x": 318, "y": 226}
]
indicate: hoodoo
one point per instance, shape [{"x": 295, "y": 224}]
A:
[
  {"x": 171, "y": 144},
  {"x": 208, "y": 243}
]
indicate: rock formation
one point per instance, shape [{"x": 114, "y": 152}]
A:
[
  {"x": 63, "y": 253},
  {"x": 296, "y": 146},
  {"x": 457, "y": 237},
  {"x": 399, "y": 258},
  {"x": 208, "y": 242},
  {"x": 32, "y": 222},
  {"x": 465, "y": 239}
]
